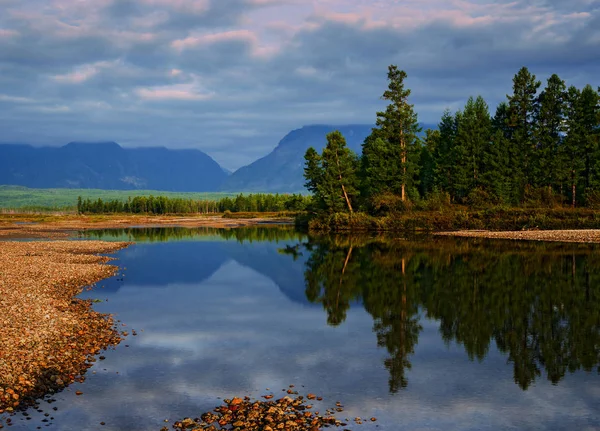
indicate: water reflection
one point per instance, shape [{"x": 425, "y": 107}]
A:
[
  {"x": 539, "y": 303},
  {"x": 267, "y": 232},
  {"x": 224, "y": 313}
]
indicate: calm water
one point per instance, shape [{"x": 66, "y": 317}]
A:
[{"x": 422, "y": 334}]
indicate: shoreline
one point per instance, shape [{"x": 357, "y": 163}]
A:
[
  {"x": 582, "y": 236},
  {"x": 49, "y": 336}
]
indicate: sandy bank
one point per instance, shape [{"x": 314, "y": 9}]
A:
[
  {"x": 581, "y": 236},
  {"x": 48, "y": 337}
]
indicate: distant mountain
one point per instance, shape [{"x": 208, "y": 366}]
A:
[
  {"x": 282, "y": 170},
  {"x": 106, "y": 165}
]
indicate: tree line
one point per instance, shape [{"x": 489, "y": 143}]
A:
[
  {"x": 540, "y": 148},
  {"x": 254, "y": 202}
]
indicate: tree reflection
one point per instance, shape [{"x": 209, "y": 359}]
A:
[{"x": 539, "y": 303}]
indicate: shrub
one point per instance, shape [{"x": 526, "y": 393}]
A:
[
  {"x": 387, "y": 203},
  {"x": 481, "y": 198},
  {"x": 541, "y": 197},
  {"x": 436, "y": 201},
  {"x": 592, "y": 199}
]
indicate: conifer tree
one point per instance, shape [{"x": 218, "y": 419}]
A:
[
  {"x": 427, "y": 162},
  {"x": 522, "y": 108},
  {"x": 549, "y": 130},
  {"x": 572, "y": 154},
  {"x": 332, "y": 176},
  {"x": 339, "y": 173},
  {"x": 444, "y": 152},
  {"x": 473, "y": 136},
  {"x": 589, "y": 109},
  {"x": 496, "y": 177},
  {"x": 397, "y": 126}
]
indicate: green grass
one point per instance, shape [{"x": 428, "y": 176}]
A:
[{"x": 23, "y": 197}]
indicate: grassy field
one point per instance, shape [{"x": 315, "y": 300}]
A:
[{"x": 23, "y": 197}]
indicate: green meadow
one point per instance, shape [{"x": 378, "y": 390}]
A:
[{"x": 26, "y": 198}]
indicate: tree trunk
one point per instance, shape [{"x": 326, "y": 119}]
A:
[
  {"x": 337, "y": 161},
  {"x": 403, "y": 150},
  {"x": 573, "y": 187},
  {"x": 346, "y": 196}
]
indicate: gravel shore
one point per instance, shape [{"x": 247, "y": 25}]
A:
[
  {"x": 48, "y": 338},
  {"x": 581, "y": 236}
]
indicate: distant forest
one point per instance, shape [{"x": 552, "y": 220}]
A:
[
  {"x": 257, "y": 202},
  {"x": 541, "y": 148}
]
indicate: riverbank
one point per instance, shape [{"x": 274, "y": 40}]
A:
[
  {"x": 49, "y": 337},
  {"x": 455, "y": 219},
  {"x": 573, "y": 235},
  {"x": 62, "y": 226}
]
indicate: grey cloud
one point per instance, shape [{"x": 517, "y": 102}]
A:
[{"x": 328, "y": 72}]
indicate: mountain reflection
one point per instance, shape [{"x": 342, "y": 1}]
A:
[{"x": 539, "y": 302}]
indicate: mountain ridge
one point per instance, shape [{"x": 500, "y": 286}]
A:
[{"x": 107, "y": 165}]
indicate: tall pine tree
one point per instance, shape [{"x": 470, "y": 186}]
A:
[
  {"x": 522, "y": 109},
  {"x": 549, "y": 131},
  {"x": 397, "y": 127}
]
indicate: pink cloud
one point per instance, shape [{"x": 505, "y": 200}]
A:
[{"x": 183, "y": 92}]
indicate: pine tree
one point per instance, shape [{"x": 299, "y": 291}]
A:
[
  {"x": 332, "y": 176},
  {"x": 473, "y": 136},
  {"x": 340, "y": 179},
  {"x": 572, "y": 152},
  {"x": 522, "y": 109},
  {"x": 589, "y": 109},
  {"x": 549, "y": 130},
  {"x": 397, "y": 127},
  {"x": 444, "y": 152},
  {"x": 427, "y": 163},
  {"x": 497, "y": 173},
  {"x": 379, "y": 167},
  {"x": 313, "y": 173}
]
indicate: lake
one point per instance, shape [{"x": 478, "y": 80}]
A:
[{"x": 420, "y": 333}]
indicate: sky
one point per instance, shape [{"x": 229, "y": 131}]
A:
[{"x": 232, "y": 77}]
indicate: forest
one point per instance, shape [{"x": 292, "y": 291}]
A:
[
  {"x": 540, "y": 149},
  {"x": 257, "y": 202}
]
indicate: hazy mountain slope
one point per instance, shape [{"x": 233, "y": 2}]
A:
[
  {"x": 282, "y": 169},
  {"x": 106, "y": 165}
]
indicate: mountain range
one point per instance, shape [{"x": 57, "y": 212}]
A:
[{"x": 107, "y": 165}]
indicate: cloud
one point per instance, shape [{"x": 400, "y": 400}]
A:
[{"x": 205, "y": 71}]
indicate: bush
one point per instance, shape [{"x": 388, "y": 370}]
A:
[
  {"x": 541, "y": 197},
  {"x": 481, "y": 198},
  {"x": 387, "y": 203},
  {"x": 592, "y": 199},
  {"x": 436, "y": 201}
]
